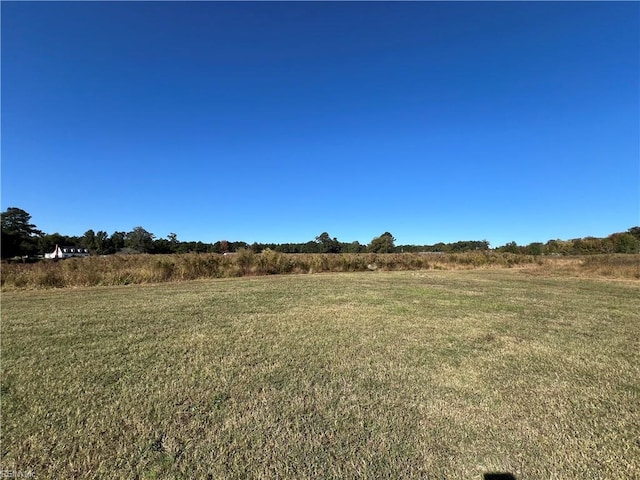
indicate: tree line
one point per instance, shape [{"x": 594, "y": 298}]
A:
[{"x": 21, "y": 238}]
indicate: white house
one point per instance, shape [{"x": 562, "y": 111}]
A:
[{"x": 67, "y": 252}]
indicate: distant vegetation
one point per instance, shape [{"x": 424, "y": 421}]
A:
[
  {"x": 151, "y": 269},
  {"x": 21, "y": 238}
]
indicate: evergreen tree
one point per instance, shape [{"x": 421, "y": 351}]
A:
[{"x": 19, "y": 235}]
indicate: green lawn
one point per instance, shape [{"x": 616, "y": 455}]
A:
[{"x": 429, "y": 374}]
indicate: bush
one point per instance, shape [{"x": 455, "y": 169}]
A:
[
  {"x": 246, "y": 259},
  {"x": 271, "y": 263}
]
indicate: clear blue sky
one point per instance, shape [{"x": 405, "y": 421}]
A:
[{"x": 274, "y": 122}]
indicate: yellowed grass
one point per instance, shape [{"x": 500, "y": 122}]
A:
[
  {"x": 151, "y": 269},
  {"x": 429, "y": 374}
]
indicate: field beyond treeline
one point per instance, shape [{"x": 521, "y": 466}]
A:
[{"x": 145, "y": 269}]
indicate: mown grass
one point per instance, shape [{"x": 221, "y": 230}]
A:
[
  {"x": 431, "y": 374},
  {"x": 145, "y": 269},
  {"x": 444, "y": 374}
]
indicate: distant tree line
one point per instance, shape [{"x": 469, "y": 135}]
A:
[
  {"x": 622, "y": 242},
  {"x": 21, "y": 238}
]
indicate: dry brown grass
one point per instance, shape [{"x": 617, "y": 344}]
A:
[
  {"x": 610, "y": 266},
  {"x": 148, "y": 269}
]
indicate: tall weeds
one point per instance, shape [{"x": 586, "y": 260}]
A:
[{"x": 142, "y": 269}]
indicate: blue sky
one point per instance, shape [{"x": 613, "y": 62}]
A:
[{"x": 276, "y": 121}]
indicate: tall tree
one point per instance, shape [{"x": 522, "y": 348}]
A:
[
  {"x": 117, "y": 240},
  {"x": 328, "y": 244},
  {"x": 19, "y": 235},
  {"x": 89, "y": 240},
  {"x": 102, "y": 243},
  {"x": 173, "y": 242},
  {"x": 383, "y": 244},
  {"x": 139, "y": 240}
]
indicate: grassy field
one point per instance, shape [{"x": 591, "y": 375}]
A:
[{"x": 423, "y": 374}]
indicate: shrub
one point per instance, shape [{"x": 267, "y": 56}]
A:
[
  {"x": 246, "y": 259},
  {"x": 163, "y": 270},
  {"x": 50, "y": 277},
  {"x": 145, "y": 268},
  {"x": 271, "y": 262}
]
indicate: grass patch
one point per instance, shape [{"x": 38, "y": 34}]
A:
[{"x": 431, "y": 374}]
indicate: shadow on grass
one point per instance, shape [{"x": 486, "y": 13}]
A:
[{"x": 499, "y": 476}]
